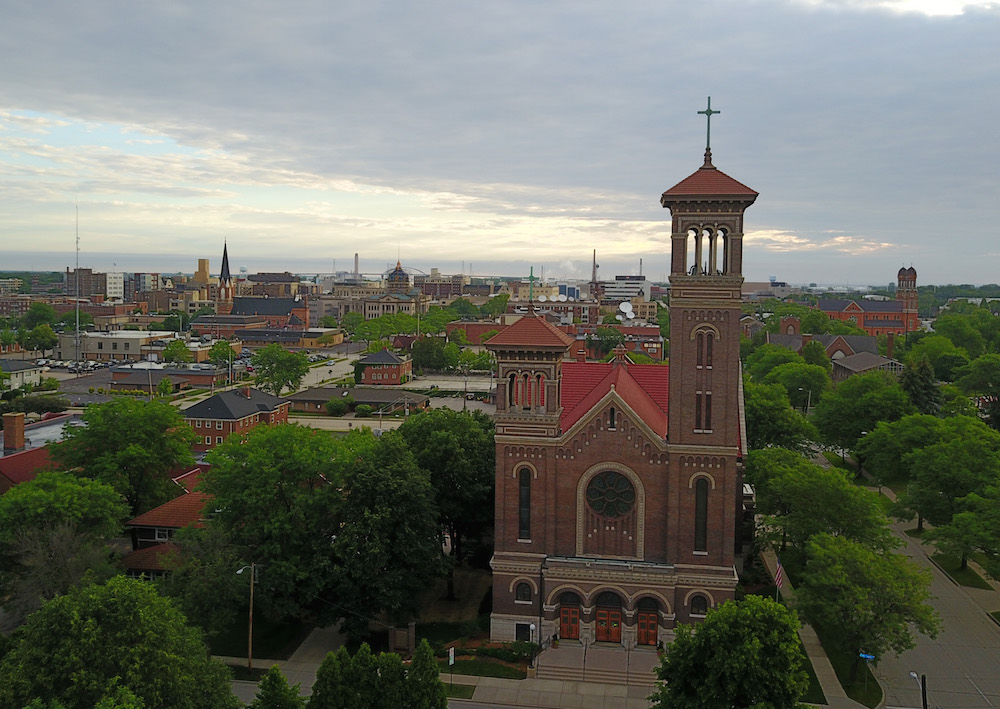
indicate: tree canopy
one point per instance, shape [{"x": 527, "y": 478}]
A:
[
  {"x": 177, "y": 351},
  {"x": 744, "y": 654},
  {"x": 771, "y": 420},
  {"x": 869, "y": 601},
  {"x": 857, "y": 404},
  {"x": 278, "y": 369},
  {"x": 98, "y": 639},
  {"x": 131, "y": 445},
  {"x": 767, "y": 357}
]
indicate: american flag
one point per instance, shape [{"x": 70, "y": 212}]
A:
[{"x": 778, "y": 575}]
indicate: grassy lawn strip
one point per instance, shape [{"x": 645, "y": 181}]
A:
[
  {"x": 838, "y": 462},
  {"x": 865, "y": 688},
  {"x": 480, "y": 668},
  {"x": 966, "y": 577},
  {"x": 245, "y": 673},
  {"x": 813, "y": 695},
  {"x": 274, "y": 641},
  {"x": 460, "y": 691},
  {"x": 915, "y": 533}
]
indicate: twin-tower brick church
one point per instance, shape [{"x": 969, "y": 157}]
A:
[{"x": 619, "y": 486}]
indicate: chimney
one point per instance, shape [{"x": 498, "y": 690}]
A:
[
  {"x": 246, "y": 392},
  {"x": 889, "y": 343},
  {"x": 806, "y": 339},
  {"x": 13, "y": 432}
]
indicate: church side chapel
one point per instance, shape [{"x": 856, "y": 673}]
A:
[{"x": 619, "y": 486}]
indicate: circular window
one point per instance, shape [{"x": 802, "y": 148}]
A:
[{"x": 610, "y": 494}]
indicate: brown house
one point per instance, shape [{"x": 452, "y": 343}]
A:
[{"x": 234, "y": 412}]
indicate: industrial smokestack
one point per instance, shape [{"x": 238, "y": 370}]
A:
[{"x": 357, "y": 270}]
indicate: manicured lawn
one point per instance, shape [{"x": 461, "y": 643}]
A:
[
  {"x": 864, "y": 688},
  {"x": 813, "y": 695},
  {"x": 244, "y": 672},
  {"x": 459, "y": 691},
  {"x": 480, "y": 668},
  {"x": 966, "y": 577},
  {"x": 838, "y": 462},
  {"x": 273, "y": 641}
]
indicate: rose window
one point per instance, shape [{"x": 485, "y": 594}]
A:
[{"x": 610, "y": 494}]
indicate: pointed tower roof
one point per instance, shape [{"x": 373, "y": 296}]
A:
[
  {"x": 224, "y": 275},
  {"x": 708, "y": 181},
  {"x": 531, "y": 331}
]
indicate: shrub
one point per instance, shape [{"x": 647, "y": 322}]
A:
[
  {"x": 363, "y": 411},
  {"x": 339, "y": 407}
]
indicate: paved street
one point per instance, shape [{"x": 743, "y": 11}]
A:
[{"x": 963, "y": 664}]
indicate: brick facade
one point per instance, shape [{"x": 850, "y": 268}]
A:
[{"x": 616, "y": 504}]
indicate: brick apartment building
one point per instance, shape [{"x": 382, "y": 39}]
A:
[
  {"x": 234, "y": 412},
  {"x": 619, "y": 486}
]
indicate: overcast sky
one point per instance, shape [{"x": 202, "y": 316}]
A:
[{"x": 500, "y": 134}]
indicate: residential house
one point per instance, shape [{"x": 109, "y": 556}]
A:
[
  {"x": 234, "y": 412},
  {"x": 385, "y": 368}
]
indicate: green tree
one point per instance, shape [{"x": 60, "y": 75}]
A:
[
  {"x": 164, "y": 387},
  {"x": 278, "y": 369},
  {"x": 428, "y": 353},
  {"x": 495, "y": 306},
  {"x": 201, "y": 580},
  {"x": 856, "y": 405},
  {"x": 41, "y": 338},
  {"x": 387, "y": 543},
  {"x": 451, "y": 353},
  {"x": 744, "y": 654},
  {"x": 966, "y": 460},
  {"x": 941, "y": 353},
  {"x": 605, "y": 340},
  {"x": 277, "y": 496},
  {"x": 273, "y": 692},
  {"x": 221, "y": 353},
  {"x": 351, "y": 321},
  {"x": 813, "y": 352},
  {"x": 131, "y": 445},
  {"x": 392, "y": 680},
  {"x": 767, "y": 357},
  {"x": 771, "y": 420},
  {"x": 962, "y": 332},
  {"x": 338, "y": 407},
  {"x": 79, "y": 647},
  {"x": 981, "y": 377},
  {"x": 38, "y": 314},
  {"x": 330, "y": 691},
  {"x": 328, "y": 321},
  {"x": 975, "y": 529},
  {"x": 457, "y": 452},
  {"x": 361, "y": 679},
  {"x": 920, "y": 384},
  {"x": 884, "y": 450},
  {"x": 868, "y": 601},
  {"x": 805, "y": 383},
  {"x": 423, "y": 681}
]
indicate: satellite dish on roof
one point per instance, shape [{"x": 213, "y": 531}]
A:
[
  {"x": 629, "y": 315},
  {"x": 625, "y": 307},
  {"x": 619, "y": 318},
  {"x": 562, "y": 297},
  {"x": 542, "y": 299}
]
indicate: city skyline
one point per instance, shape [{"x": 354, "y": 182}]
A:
[{"x": 504, "y": 136}]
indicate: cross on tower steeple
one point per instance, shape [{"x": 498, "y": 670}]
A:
[{"x": 708, "y": 113}]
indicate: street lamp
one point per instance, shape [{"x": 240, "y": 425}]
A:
[
  {"x": 922, "y": 683},
  {"x": 531, "y": 638},
  {"x": 253, "y": 578},
  {"x": 808, "y": 399}
]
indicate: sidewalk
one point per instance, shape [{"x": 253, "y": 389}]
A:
[{"x": 836, "y": 697}]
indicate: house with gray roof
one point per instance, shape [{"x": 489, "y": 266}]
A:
[{"x": 234, "y": 412}]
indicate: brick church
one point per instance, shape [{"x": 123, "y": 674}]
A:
[{"x": 619, "y": 486}]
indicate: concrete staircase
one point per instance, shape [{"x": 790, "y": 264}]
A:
[{"x": 604, "y": 665}]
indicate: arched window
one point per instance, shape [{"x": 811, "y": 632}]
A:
[
  {"x": 701, "y": 515},
  {"x": 569, "y": 598},
  {"x": 526, "y": 393},
  {"x": 648, "y": 604},
  {"x": 540, "y": 390},
  {"x": 512, "y": 390},
  {"x": 699, "y": 343},
  {"x": 522, "y": 592},
  {"x": 609, "y": 599},
  {"x": 699, "y": 604},
  {"x": 524, "y": 504}
]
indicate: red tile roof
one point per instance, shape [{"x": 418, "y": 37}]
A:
[
  {"x": 24, "y": 465},
  {"x": 531, "y": 331},
  {"x": 708, "y": 181},
  {"x": 643, "y": 387},
  {"x": 179, "y": 512},
  {"x": 149, "y": 558}
]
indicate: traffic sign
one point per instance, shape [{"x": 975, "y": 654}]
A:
[{"x": 865, "y": 656}]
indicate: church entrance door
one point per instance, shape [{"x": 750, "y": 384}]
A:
[
  {"x": 569, "y": 623},
  {"x": 609, "y": 626},
  {"x": 647, "y": 628}
]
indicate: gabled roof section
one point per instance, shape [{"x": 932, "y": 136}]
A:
[
  {"x": 149, "y": 558},
  {"x": 708, "y": 181},
  {"x": 643, "y": 387},
  {"x": 179, "y": 512},
  {"x": 382, "y": 357},
  {"x": 531, "y": 331},
  {"x": 233, "y": 405}
]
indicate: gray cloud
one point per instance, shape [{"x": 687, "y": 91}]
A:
[{"x": 868, "y": 133}]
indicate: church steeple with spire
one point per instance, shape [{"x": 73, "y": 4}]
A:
[{"x": 224, "y": 302}]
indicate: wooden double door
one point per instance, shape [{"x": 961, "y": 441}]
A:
[
  {"x": 646, "y": 623},
  {"x": 609, "y": 625},
  {"x": 569, "y": 623}
]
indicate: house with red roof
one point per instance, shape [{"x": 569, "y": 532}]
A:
[
  {"x": 153, "y": 531},
  {"x": 619, "y": 486}
]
